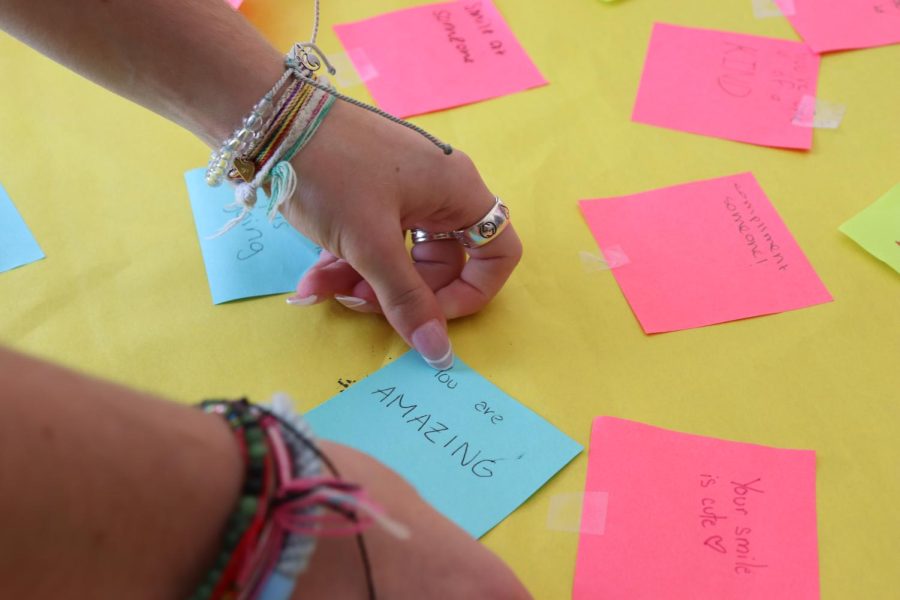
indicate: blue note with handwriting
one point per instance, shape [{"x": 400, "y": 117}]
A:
[
  {"x": 469, "y": 449},
  {"x": 256, "y": 258},
  {"x": 17, "y": 246}
]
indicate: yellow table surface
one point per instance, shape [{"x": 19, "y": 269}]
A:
[{"x": 123, "y": 294}]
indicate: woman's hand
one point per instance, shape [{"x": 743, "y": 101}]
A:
[
  {"x": 439, "y": 561},
  {"x": 363, "y": 181}
]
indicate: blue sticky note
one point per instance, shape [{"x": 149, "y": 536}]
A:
[
  {"x": 469, "y": 449},
  {"x": 17, "y": 246},
  {"x": 256, "y": 258}
]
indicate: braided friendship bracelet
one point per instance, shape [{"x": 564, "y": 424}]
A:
[
  {"x": 257, "y": 154},
  {"x": 276, "y": 175},
  {"x": 285, "y": 503}
]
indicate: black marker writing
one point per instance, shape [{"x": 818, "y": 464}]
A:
[
  {"x": 436, "y": 432},
  {"x": 754, "y": 230},
  {"x": 445, "y": 18},
  {"x": 732, "y": 538},
  {"x": 253, "y": 235}
]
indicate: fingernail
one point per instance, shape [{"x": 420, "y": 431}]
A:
[
  {"x": 350, "y": 301},
  {"x": 302, "y": 301},
  {"x": 433, "y": 344}
]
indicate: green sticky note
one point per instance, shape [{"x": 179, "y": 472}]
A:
[{"x": 877, "y": 228}]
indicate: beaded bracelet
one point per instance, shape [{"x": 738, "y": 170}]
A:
[
  {"x": 271, "y": 169},
  {"x": 247, "y": 164},
  {"x": 252, "y": 126},
  {"x": 257, "y": 154},
  {"x": 285, "y": 503}
]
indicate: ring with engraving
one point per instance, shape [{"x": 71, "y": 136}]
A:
[{"x": 484, "y": 231}]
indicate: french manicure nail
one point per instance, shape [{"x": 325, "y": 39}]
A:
[
  {"x": 302, "y": 301},
  {"x": 350, "y": 301},
  {"x": 433, "y": 344}
]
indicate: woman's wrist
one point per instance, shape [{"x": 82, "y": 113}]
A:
[{"x": 229, "y": 99}]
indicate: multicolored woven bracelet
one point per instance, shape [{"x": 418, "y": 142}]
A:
[
  {"x": 285, "y": 504},
  {"x": 257, "y": 155}
]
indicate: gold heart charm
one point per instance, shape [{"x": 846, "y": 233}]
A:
[{"x": 245, "y": 168}]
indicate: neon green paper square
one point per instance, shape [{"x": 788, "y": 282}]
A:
[{"x": 877, "y": 228}]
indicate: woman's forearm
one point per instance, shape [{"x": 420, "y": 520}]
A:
[
  {"x": 198, "y": 63},
  {"x": 106, "y": 492}
]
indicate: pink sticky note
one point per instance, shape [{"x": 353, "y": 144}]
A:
[
  {"x": 827, "y": 25},
  {"x": 438, "y": 56},
  {"x": 728, "y": 85},
  {"x": 235, "y": 4},
  {"x": 702, "y": 253},
  {"x": 691, "y": 517}
]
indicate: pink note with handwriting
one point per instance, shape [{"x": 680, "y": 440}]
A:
[
  {"x": 438, "y": 56},
  {"x": 728, "y": 85},
  {"x": 702, "y": 253},
  {"x": 828, "y": 25},
  {"x": 691, "y": 517}
]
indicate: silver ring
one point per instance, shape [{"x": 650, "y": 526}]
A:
[{"x": 474, "y": 236}]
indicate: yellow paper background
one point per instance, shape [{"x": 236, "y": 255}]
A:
[{"x": 122, "y": 293}]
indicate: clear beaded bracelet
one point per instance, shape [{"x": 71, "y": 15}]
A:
[
  {"x": 262, "y": 128},
  {"x": 250, "y": 133}
]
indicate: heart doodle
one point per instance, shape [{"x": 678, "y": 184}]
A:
[{"x": 715, "y": 542}]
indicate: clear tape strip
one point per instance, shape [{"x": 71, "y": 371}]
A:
[
  {"x": 766, "y": 9},
  {"x": 353, "y": 67},
  {"x": 578, "y": 512},
  {"x": 819, "y": 114},
  {"x": 611, "y": 258}
]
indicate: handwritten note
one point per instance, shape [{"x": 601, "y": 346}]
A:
[
  {"x": 704, "y": 252},
  {"x": 438, "y": 56},
  {"x": 831, "y": 25},
  {"x": 696, "y": 517},
  {"x": 470, "y": 450},
  {"x": 877, "y": 228},
  {"x": 17, "y": 246},
  {"x": 256, "y": 258},
  {"x": 727, "y": 85}
]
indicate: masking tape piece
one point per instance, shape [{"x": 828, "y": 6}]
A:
[
  {"x": 578, "y": 512},
  {"x": 612, "y": 257},
  {"x": 766, "y": 9},
  {"x": 818, "y": 113},
  {"x": 353, "y": 67}
]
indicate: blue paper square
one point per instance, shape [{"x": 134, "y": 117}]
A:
[
  {"x": 17, "y": 246},
  {"x": 469, "y": 449},
  {"x": 256, "y": 258}
]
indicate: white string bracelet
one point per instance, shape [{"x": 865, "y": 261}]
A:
[
  {"x": 257, "y": 154},
  {"x": 252, "y": 127},
  {"x": 277, "y": 172}
]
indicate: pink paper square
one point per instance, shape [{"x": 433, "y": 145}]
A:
[
  {"x": 235, "y": 4},
  {"x": 704, "y": 252},
  {"x": 728, "y": 85},
  {"x": 827, "y": 25},
  {"x": 438, "y": 56},
  {"x": 691, "y": 517}
]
